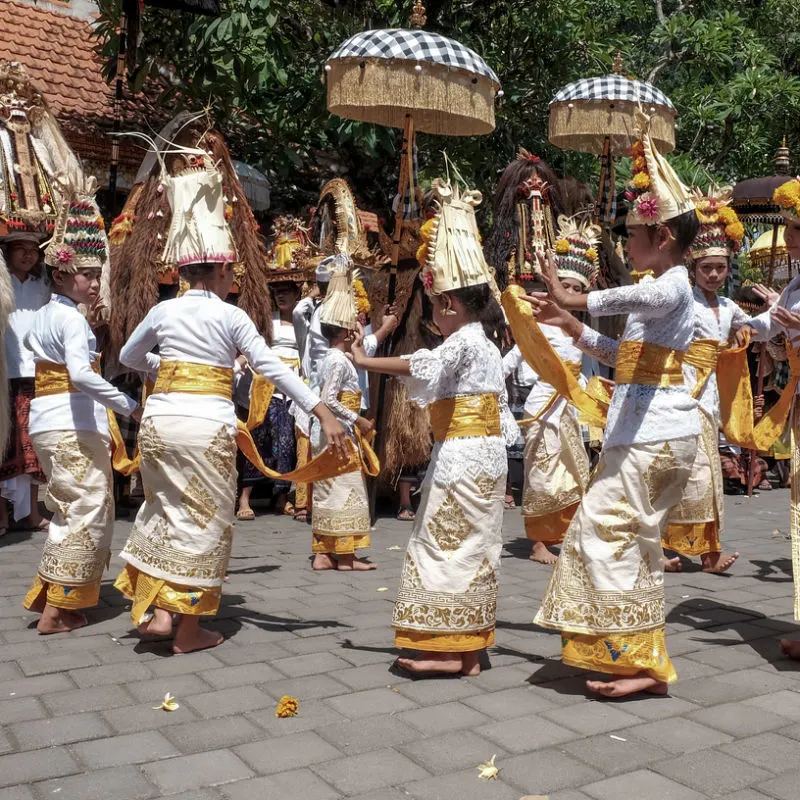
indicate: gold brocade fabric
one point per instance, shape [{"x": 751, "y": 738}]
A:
[
  {"x": 693, "y": 538},
  {"x": 702, "y": 355},
  {"x": 52, "y": 378},
  {"x": 339, "y": 545},
  {"x": 144, "y": 591},
  {"x": 459, "y": 417},
  {"x": 648, "y": 364},
  {"x": 794, "y": 515},
  {"x": 544, "y": 360},
  {"x": 444, "y": 642},
  {"x": 191, "y": 378},
  {"x": 771, "y": 425},
  {"x": 620, "y": 654},
  {"x": 574, "y": 367},
  {"x": 71, "y": 598}
]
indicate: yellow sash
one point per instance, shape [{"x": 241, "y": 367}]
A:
[
  {"x": 52, "y": 378},
  {"x": 574, "y": 367},
  {"x": 702, "y": 355},
  {"x": 459, "y": 417},
  {"x": 648, "y": 364},
  {"x": 366, "y": 457},
  {"x": 261, "y": 394},
  {"x": 539, "y": 353},
  {"x": 771, "y": 425},
  {"x": 185, "y": 376}
]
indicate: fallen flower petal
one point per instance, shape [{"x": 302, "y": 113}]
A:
[
  {"x": 489, "y": 770},
  {"x": 167, "y": 704},
  {"x": 382, "y": 589},
  {"x": 287, "y": 707}
]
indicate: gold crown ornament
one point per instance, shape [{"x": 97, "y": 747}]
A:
[
  {"x": 787, "y": 198},
  {"x": 721, "y": 232},
  {"x": 576, "y": 250}
]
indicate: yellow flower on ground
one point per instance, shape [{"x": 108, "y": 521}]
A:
[
  {"x": 641, "y": 180},
  {"x": 489, "y": 770},
  {"x": 167, "y": 704},
  {"x": 287, "y": 707}
]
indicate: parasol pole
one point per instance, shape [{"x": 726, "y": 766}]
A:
[
  {"x": 751, "y": 462},
  {"x": 406, "y": 175}
]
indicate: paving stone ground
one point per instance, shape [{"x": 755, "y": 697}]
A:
[{"x": 78, "y": 721}]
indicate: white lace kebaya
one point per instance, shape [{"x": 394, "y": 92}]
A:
[
  {"x": 707, "y": 326},
  {"x": 466, "y": 363},
  {"x": 661, "y": 312}
]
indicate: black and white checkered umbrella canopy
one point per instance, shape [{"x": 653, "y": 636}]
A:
[
  {"x": 592, "y": 114},
  {"x": 383, "y": 75},
  {"x": 613, "y": 87},
  {"x": 414, "y": 45}
]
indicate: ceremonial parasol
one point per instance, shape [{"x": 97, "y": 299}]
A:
[
  {"x": 762, "y": 256},
  {"x": 595, "y": 115},
  {"x": 753, "y": 202},
  {"x": 414, "y": 80}
]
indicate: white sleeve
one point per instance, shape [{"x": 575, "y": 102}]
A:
[
  {"x": 430, "y": 368},
  {"x": 512, "y": 360},
  {"x": 370, "y": 345},
  {"x": 653, "y": 298},
  {"x": 603, "y": 348},
  {"x": 301, "y": 320},
  {"x": 77, "y": 358},
  {"x": 250, "y": 342},
  {"x": 333, "y": 380},
  {"x": 136, "y": 352}
]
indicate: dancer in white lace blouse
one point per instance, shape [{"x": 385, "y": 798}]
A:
[
  {"x": 447, "y": 600},
  {"x": 606, "y": 595}
]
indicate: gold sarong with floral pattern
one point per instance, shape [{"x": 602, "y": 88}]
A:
[
  {"x": 183, "y": 533},
  {"x": 609, "y": 579},
  {"x": 556, "y": 476},
  {"x": 80, "y": 495},
  {"x": 695, "y": 524},
  {"x": 447, "y": 601},
  {"x": 340, "y": 520}
]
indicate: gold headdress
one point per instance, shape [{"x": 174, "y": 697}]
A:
[
  {"x": 655, "y": 193},
  {"x": 721, "y": 232},
  {"x": 451, "y": 255},
  {"x": 339, "y": 305},
  {"x": 289, "y": 253},
  {"x": 79, "y": 239},
  {"x": 787, "y": 198},
  {"x": 576, "y": 250}
]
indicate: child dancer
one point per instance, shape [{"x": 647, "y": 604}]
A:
[
  {"x": 556, "y": 464},
  {"x": 178, "y": 551},
  {"x": 69, "y": 425},
  {"x": 696, "y": 524},
  {"x": 606, "y": 594},
  {"x": 448, "y": 593},
  {"x": 340, "y": 520}
]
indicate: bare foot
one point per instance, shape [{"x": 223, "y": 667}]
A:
[
  {"x": 160, "y": 624},
  {"x": 470, "y": 663},
  {"x": 190, "y": 636},
  {"x": 542, "y": 555},
  {"x": 351, "y": 563},
  {"x": 59, "y": 620},
  {"x": 622, "y": 686},
  {"x": 323, "y": 561},
  {"x": 425, "y": 663},
  {"x": 791, "y": 648},
  {"x": 672, "y": 564},
  {"x": 717, "y": 563}
]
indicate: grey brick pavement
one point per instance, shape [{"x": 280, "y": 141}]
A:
[{"x": 78, "y": 721}]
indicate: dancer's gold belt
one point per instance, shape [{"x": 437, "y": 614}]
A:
[
  {"x": 472, "y": 415},
  {"x": 648, "y": 364}
]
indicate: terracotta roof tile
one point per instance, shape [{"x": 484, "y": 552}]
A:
[{"x": 57, "y": 51}]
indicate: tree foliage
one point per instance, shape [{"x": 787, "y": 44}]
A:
[{"x": 731, "y": 67}]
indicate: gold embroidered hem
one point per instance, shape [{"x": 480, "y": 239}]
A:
[
  {"x": 303, "y": 457},
  {"x": 692, "y": 538},
  {"x": 795, "y": 507},
  {"x": 79, "y": 493},
  {"x": 609, "y": 577},
  {"x": 444, "y": 643},
  {"x": 556, "y": 467},
  {"x": 341, "y": 506},
  {"x": 338, "y": 545},
  {"x": 183, "y": 532},
  {"x": 71, "y": 598},
  {"x": 620, "y": 654},
  {"x": 144, "y": 591},
  {"x": 550, "y": 528}
]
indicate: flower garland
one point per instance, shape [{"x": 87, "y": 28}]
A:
[
  {"x": 638, "y": 194},
  {"x": 787, "y": 196},
  {"x": 362, "y": 298}
]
